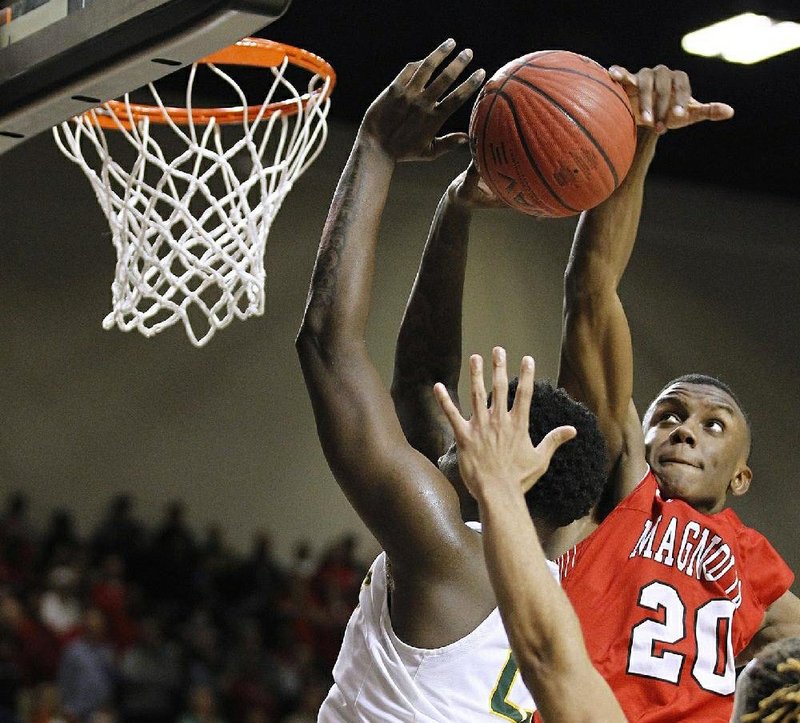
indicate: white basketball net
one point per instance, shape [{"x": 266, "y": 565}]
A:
[{"x": 190, "y": 231}]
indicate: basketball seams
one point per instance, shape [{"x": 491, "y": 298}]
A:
[
  {"x": 622, "y": 98},
  {"x": 536, "y": 116},
  {"x": 574, "y": 120},
  {"x": 498, "y": 92},
  {"x": 535, "y": 166},
  {"x": 486, "y": 118}
]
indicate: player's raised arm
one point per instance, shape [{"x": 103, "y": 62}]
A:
[
  {"x": 498, "y": 462},
  {"x": 596, "y": 351},
  {"x": 429, "y": 342},
  {"x": 402, "y": 498}
]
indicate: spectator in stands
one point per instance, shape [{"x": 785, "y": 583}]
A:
[
  {"x": 87, "y": 675},
  {"x": 262, "y": 581},
  {"x": 30, "y": 651},
  {"x": 16, "y": 542},
  {"x": 120, "y": 533},
  {"x": 45, "y": 705},
  {"x": 172, "y": 562},
  {"x": 249, "y": 680},
  {"x": 60, "y": 543},
  {"x": 205, "y": 663},
  {"x": 111, "y": 593},
  {"x": 216, "y": 568},
  {"x": 60, "y": 608},
  {"x": 202, "y": 706},
  {"x": 150, "y": 677}
]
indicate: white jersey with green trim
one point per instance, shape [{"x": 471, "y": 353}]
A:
[{"x": 378, "y": 677}]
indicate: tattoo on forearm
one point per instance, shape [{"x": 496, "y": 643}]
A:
[{"x": 335, "y": 234}]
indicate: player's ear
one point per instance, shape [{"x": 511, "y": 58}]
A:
[{"x": 741, "y": 482}]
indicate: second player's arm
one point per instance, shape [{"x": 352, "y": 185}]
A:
[{"x": 429, "y": 342}]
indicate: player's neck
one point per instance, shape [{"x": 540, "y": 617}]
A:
[{"x": 548, "y": 539}]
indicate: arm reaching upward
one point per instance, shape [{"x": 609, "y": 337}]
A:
[
  {"x": 429, "y": 342},
  {"x": 498, "y": 463},
  {"x": 403, "y": 499},
  {"x": 596, "y": 350}
]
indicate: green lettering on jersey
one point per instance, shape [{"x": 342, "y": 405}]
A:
[{"x": 501, "y": 705}]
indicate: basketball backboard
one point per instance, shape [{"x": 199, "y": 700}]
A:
[{"x": 59, "y": 58}]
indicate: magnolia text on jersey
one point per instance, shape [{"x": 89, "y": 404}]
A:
[{"x": 694, "y": 550}]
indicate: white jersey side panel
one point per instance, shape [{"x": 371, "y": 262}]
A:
[{"x": 377, "y": 677}]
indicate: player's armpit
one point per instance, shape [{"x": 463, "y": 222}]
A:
[{"x": 782, "y": 620}]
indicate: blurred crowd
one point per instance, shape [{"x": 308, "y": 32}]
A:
[{"x": 159, "y": 625}]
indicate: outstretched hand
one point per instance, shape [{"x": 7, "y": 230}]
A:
[
  {"x": 494, "y": 445},
  {"x": 405, "y": 118},
  {"x": 662, "y": 99}
]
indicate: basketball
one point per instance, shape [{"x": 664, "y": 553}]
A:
[{"x": 552, "y": 133}]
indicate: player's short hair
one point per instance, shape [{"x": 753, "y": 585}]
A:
[
  {"x": 771, "y": 690},
  {"x": 576, "y": 477}
]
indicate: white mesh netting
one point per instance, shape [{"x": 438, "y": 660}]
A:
[{"x": 190, "y": 230}]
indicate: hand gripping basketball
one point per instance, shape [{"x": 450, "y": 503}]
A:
[
  {"x": 662, "y": 98},
  {"x": 468, "y": 189}
]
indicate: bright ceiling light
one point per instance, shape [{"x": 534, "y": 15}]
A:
[{"x": 747, "y": 38}]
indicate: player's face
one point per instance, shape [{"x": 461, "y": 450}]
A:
[{"x": 697, "y": 445}]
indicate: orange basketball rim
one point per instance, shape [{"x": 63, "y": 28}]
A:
[{"x": 253, "y": 52}]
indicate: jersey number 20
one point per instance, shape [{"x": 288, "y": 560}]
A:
[{"x": 650, "y": 655}]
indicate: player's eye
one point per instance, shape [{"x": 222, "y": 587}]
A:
[
  {"x": 669, "y": 417},
  {"x": 715, "y": 425}
]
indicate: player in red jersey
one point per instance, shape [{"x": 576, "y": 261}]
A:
[
  {"x": 499, "y": 464},
  {"x": 671, "y": 587}
]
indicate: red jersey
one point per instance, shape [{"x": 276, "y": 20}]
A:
[{"x": 667, "y": 597}]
